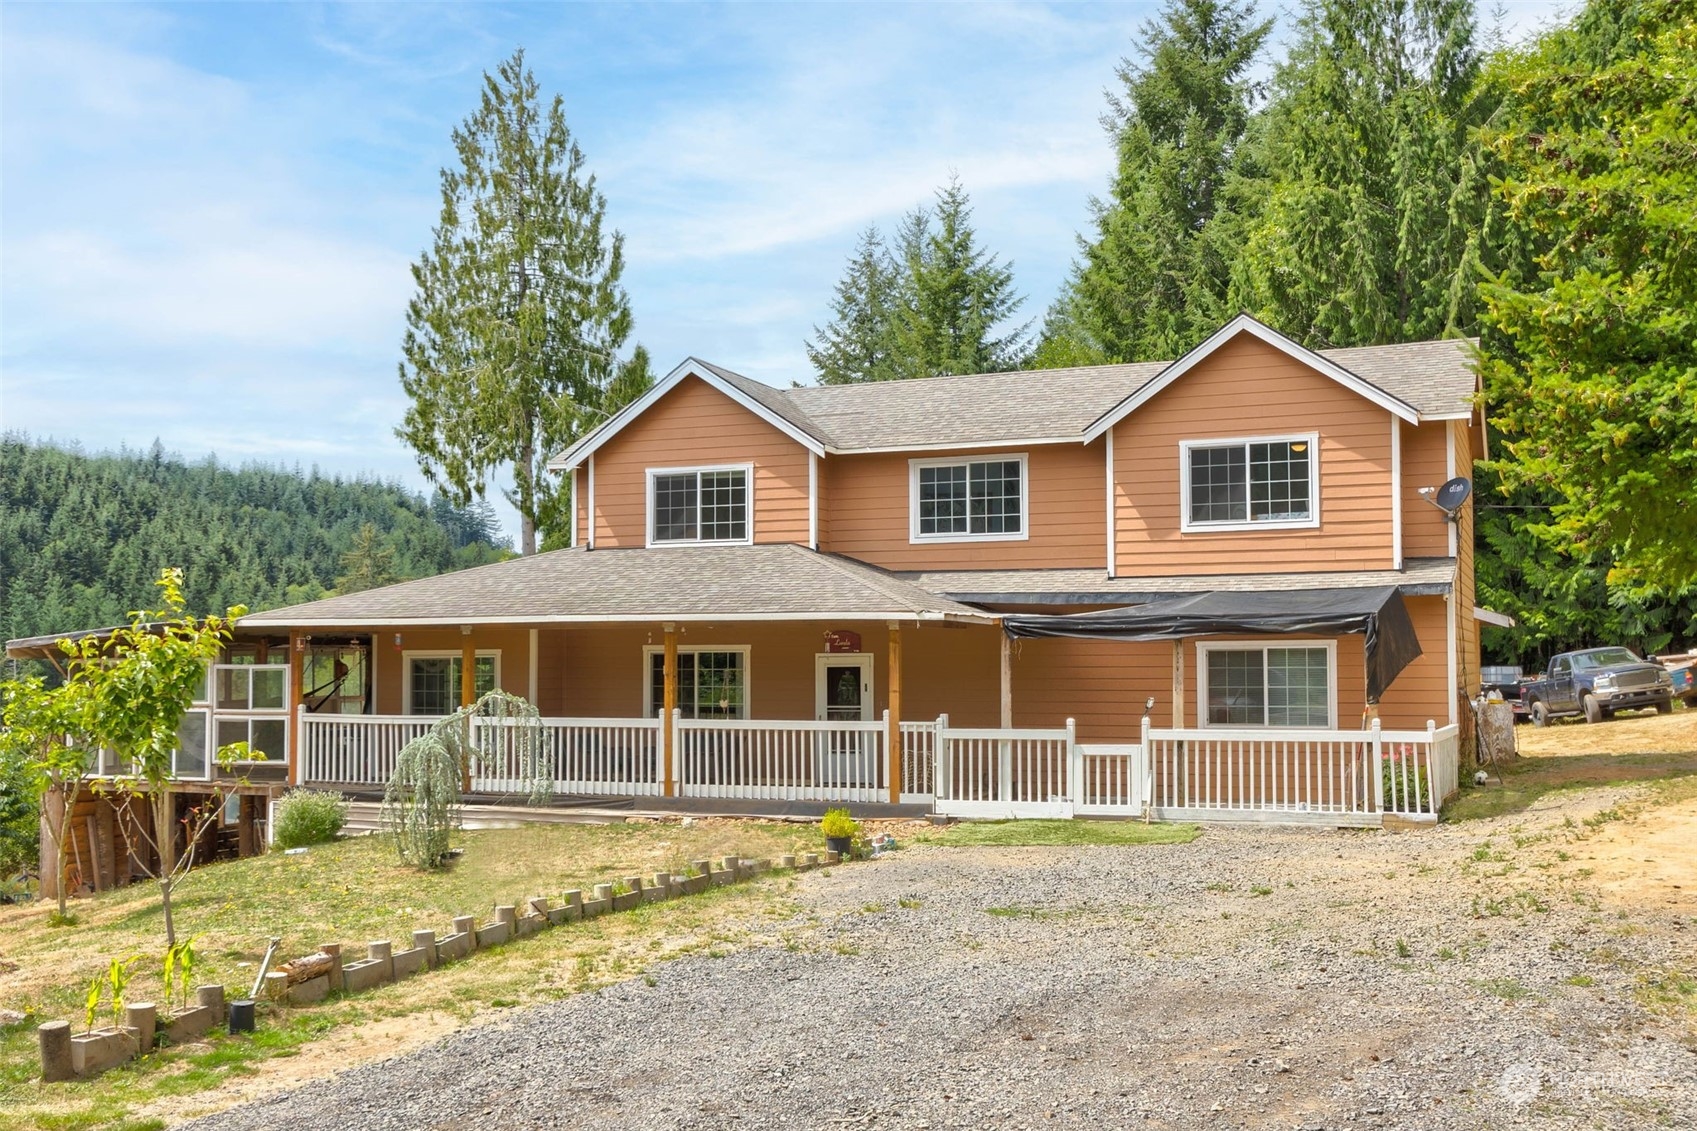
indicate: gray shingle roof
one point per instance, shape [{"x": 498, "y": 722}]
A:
[
  {"x": 1093, "y": 587},
  {"x": 684, "y": 583},
  {"x": 1434, "y": 378}
]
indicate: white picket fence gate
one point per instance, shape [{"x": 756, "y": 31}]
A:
[{"x": 1205, "y": 773}]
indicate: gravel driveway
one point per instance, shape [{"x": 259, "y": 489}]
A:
[{"x": 1254, "y": 978}]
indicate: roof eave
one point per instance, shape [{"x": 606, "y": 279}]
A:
[
  {"x": 573, "y": 457},
  {"x": 1244, "y": 323}
]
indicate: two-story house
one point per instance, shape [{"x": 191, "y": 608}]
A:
[{"x": 1213, "y": 586}]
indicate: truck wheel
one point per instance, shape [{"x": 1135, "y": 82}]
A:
[
  {"x": 1665, "y": 707},
  {"x": 1540, "y": 713},
  {"x": 1593, "y": 712}
]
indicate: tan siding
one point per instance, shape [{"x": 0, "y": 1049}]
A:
[
  {"x": 579, "y": 531},
  {"x": 869, "y": 509},
  {"x": 550, "y": 672},
  {"x": 1467, "y": 626},
  {"x": 1425, "y": 531},
  {"x": 1421, "y": 693},
  {"x": 1099, "y": 684},
  {"x": 512, "y": 643},
  {"x": 1247, "y": 388},
  {"x": 695, "y": 425}
]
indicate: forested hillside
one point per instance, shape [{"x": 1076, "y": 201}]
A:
[{"x": 82, "y": 537}]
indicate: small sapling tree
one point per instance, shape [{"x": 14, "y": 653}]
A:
[
  {"x": 44, "y": 734},
  {"x": 139, "y": 683}
]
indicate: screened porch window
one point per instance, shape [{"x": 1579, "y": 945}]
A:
[
  {"x": 1250, "y": 483},
  {"x": 699, "y": 505},
  {"x": 433, "y": 682},
  {"x": 711, "y": 685},
  {"x": 1256, "y": 686}
]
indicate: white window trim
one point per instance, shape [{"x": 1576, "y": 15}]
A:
[
  {"x": 407, "y": 657},
  {"x": 649, "y": 651},
  {"x": 648, "y": 495},
  {"x": 913, "y": 468},
  {"x": 1310, "y": 523},
  {"x": 1204, "y": 647},
  {"x": 862, "y": 660}
]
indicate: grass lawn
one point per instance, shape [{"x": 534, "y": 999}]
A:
[
  {"x": 1017, "y": 833},
  {"x": 1657, "y": 750},
  {"x": 353, "y": 892}
]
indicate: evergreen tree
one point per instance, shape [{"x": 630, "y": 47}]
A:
[
  {"x": 856, "y": 345},
  {"x": 1154, "y": 280},
  {"x": 930, "y": 306},
  {"x": 367, "y": 564},
  {"x": 1366, "y": 176},
  {"x": 952, "y": 295},
  {"x": 514, "y": 332}
]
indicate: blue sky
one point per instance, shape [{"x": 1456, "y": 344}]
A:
[{"x": 207, "y": 211}]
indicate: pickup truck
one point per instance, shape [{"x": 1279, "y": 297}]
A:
[{"x": 1597, "y": 682}]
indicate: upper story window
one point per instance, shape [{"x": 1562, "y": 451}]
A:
[
  {"x": 699, "y": 504},
  {"x": 968, "y": 500},
  {"x": 1257, "y": 482}
]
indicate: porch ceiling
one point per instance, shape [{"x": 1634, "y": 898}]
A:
[
  {"x": 685, "y": 583},
  {"x": 1421, "y": 577}
]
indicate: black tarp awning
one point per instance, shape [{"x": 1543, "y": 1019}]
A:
[{"x": 1378, "y": 613}]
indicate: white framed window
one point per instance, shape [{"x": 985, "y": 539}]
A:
[
  {"x": 701, "y": 505},
  {"x": 977, "y": 499},
  {"x": 712, "y": 681},
  {"x": 430, "y": 681},
  {"x": 1256, "y": 482},
  {"x": 1270, "y": 684}
]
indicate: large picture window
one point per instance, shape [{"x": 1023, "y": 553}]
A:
[
  {"x": 709, "y": 504},
  {"x": 433, "y": 680},
  {"x": 1250, "y": 685},
  {"x": 968, "y": 500},
  {"x": 712, "y": 683},
  {"x": 1257, "y": 482}
]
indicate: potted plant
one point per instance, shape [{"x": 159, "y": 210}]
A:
[{"x": 840, "y": 829}]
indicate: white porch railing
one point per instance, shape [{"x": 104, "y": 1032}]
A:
[
  {"x": 781, "y": 760},
  {"x": 1204, "y": 773},
  {"x": 605, "y": 757},
  {"x": 355, "y": 749}
]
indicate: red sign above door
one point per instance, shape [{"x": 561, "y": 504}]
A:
[{"x": 841, "y": 640}]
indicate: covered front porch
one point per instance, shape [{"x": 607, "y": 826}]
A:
[{"x": 781, "y": 676}]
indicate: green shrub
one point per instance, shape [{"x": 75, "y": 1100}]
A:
[
  {"x": 838, "y": 823},
  {"x": 307, "y": 816}
]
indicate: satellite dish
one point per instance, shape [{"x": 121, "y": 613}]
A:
[{"x": 1452, "y": 494}]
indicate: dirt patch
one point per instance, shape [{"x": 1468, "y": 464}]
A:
[
  {"x": 1647, "y": 861},
  {"x": 1637, "y": 733},
  {"x": 346, "y": 1048}
]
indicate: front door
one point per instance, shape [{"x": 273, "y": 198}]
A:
[
  {"x": 845, "y": 758},
  {"x": 843, "y": 688}
]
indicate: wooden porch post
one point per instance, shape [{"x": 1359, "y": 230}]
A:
[
  {"x": 297, "y": 673},
  {"x": 894, "y": 737},
  {"x": 1007, "y": 680},
  {"x": 1178, "y": 686},
  {"x": 468, "y": 691},
  {"x": 669, "y": 710}
]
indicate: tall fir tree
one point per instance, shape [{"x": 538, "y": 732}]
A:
[
  {"x": 855, "y": 346},
  {"x": 367, "y": 564},
  {"x": 1364, "y": 232},
  {"x": 1154, "y": 280},
  {"x": 929, "y": 302},
  {"x": 519, "y": 316},
  {"x": 952, "y": 296}
]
